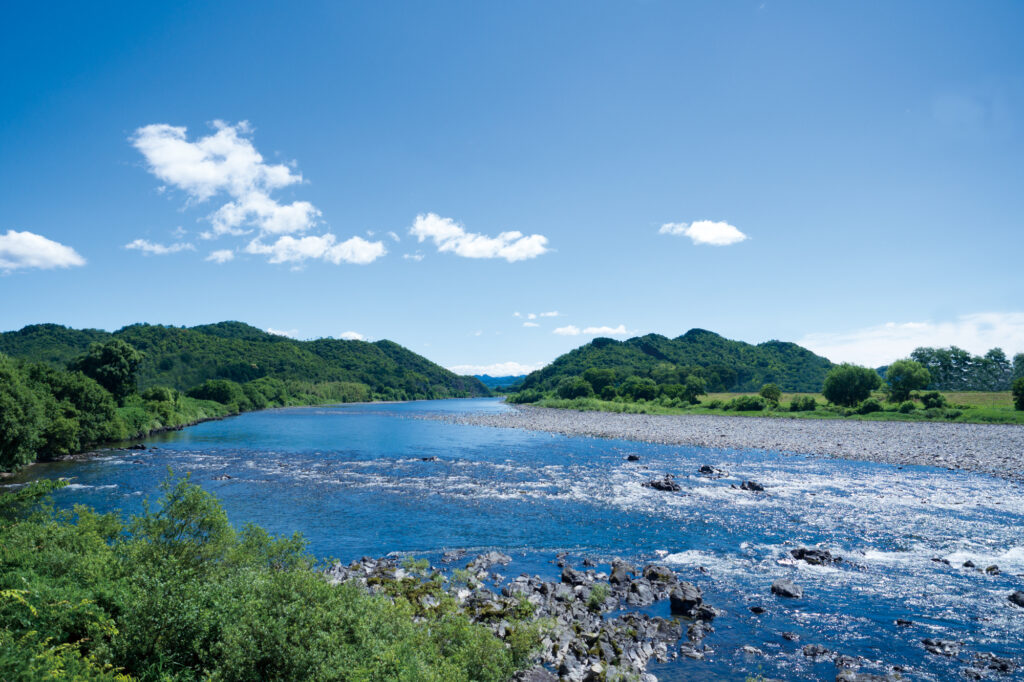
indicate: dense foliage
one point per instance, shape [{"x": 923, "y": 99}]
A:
[
  {"x": 183, "y": 358},
  {"x": 848, "y": 385},
  {"x": 1018, "y": 393},
  {"x": 954, "y": 369},
  {"x": 724, "y": 365},
  {"x": 904, "y": 376},
  {"x": 178, "y": 594}
]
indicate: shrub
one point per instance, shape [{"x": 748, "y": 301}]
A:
[
  {"x": 609, "y": 393},
  {"x": 847, "y": 385},
  {"x": 688, "y": 392},
  {"x": 772, "y": 393},
  {"x": 223, "y": 391},
  {"x": 574, "y": 387},
  {"x": 1018, "y": 393},
  {"x": 868, "y": 406},
  {"x": 746, "y": 403},
  {"x": 598, "y": 594},
  {"x": 933, "y": 399},
  {"x": 159, "y": 394},
  {"x": 904, "y": 376},
  {"x": 715, "y": 404},
  {"x": 907, "y": 406},
  {"x": 803, "y": 403}
]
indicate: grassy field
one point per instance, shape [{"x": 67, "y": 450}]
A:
[{"x": 966, "y": 407}]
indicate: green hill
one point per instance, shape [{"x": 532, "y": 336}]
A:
[
  {"x": 185, "y": 357},
  {"x": 724, "y": 364}
]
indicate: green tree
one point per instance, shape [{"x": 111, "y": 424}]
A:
[
  {"x": 599, "y": 378},
  {"x": 848, "y": 384},
  {"x": 904, "y": 376},
  {"x": 21, "y": 418},
  {"x": 114, "y": 364},
  {"x": 574, "y": 387},
  {"x": 1018, "y": 393},
  {"x": 638, "y": 388},
  {"x": 771, "y": 392}
]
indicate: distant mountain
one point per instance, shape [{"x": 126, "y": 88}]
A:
[
  {"x": 499, "y": 382},
  {"x": 726, "y": 365},
  {"x": 184, "y": 357}
]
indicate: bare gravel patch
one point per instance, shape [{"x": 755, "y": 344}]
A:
[{"x": 995, "y": 449}]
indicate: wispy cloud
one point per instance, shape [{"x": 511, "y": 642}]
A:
[
  {"x": 351, "y": 336},
  {"x": 151, "y": 248},
  {"x": 26, "y": 250},
  {"x": 221, "y": 256},
  {"x": 413, "y": 256},
  {"x": 290, "y": 333},
  {"x": 705, "y": 232},
  {"x": 226, "y": 163},
  {"x": 881, "y": 344},
  {"x": 573, "y": 330},
  {"x": 553, "y": 313},
  {"x": 498, "y": 369},
  {"x": 530, "y": 324},
  {"x": 449, "y": 236}
]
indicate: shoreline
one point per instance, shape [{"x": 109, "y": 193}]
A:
[{"x": 992, "y": 449}]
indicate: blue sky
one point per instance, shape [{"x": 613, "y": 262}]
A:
[{"x": 848, "y": 176}]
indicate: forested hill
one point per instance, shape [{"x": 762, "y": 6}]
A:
[
  {"x": 186, "y": 357},
  {"x": 724, "y": 364}
]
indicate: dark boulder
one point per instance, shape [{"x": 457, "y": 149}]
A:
[
  {"x": 941, "y": 647},
  {"x": 815, "y": 651},
  {"x": 620, "y": 572},
  {"x": 632, "y": 458},
  {"x": 752, "y": 486},
  {"x": 684, "y": 599},
  {"x": 814, "y": 556},
  {"x": 1017, "y": 597},
  {"x": 660, "y": 574},
  {"x": 570, "y": 576},
  {"x": 787, "y": 588},
  {"x": 665, "y": 484}
]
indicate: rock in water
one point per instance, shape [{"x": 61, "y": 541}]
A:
[
  {"x": 816, "y": 557},
  {"x": 633, "y": 458},
  {"x": 752, "y": 486},
  {"x": 787, "y": 588},
  {"x": 684, "y": 599},
  {"x": 666, "y": 484},
  {"x": 941, "y": 647},
  {"x": 1017, "y": 597},
  {"x": 620, "y": 572}
]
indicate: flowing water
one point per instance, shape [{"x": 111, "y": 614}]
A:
[{"x": 359, "y": 480}]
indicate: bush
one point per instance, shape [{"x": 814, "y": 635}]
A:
[
  {"x": 160, "y": 394},
  {"x": 847, "y": 385},
  {"x": 223, "y": 391},
  {"x": 803, "y": 403},
  {"x": 609, "y": 393},
  {"x": 868, "y": 406},
  {"x": 772, "y": 393},
  {"x": 574, "y": 387},
  {"x": 904, "y": 376},
  {"x": 907, "y": 406},
  {"x": 715, "y": 404},
  {"x": 933, "y": 399},
  {"x": 1018, "y": 393},
  {"x": 746, "y": 403},
  {"x": 688, "y": 392}
]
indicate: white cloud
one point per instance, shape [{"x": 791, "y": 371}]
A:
[
  {"x": 413, "y": 256},
  {"x": 221, "y": 256},
  {"x": 449, "y": 236},
  {"x": 478, "y": 332},
  {"x": 288, "y": 249},
  {"x": 351, "y": 336},
  {"x": 226, "y": 163},
  {"x": 553, "y": 313},
  {"x": 705, "y": 232},
  {"x": 573, "y": 330},
  {"x": 881, "y": 344},
  {"x": 148, "y": 247},
  {"x": 499, "y": 369},
  {"x": 394, "y": 235},
  {"x": 290, "y": 333},
  {"x": 530, "y": 324},
  {"x": 29, "y": 250}
]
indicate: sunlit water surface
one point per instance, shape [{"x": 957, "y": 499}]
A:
[{"x": 354, "y": 481}]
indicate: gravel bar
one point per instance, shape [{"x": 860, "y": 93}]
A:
[{"x": 995, "y": 449}]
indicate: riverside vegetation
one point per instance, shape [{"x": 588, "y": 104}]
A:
[
  {"x": 177, "y": 593},
  {"x": 648, "y": 375},
  {"x": 69, "y": 390}
]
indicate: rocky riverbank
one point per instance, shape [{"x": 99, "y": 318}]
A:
[
  {"x": 590, "y": 625},
  {"x": 995, "y": 449}
]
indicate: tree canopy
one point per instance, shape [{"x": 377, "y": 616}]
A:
[{"x": 848, "y": 384}]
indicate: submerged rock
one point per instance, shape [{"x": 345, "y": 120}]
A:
[
  {"x": 752, "y": 486},
  {"x": 666, "y": 484},
  {"x": 788, "y": 589},
  {"x": 1017, "y": 597},
  {"x": 941, "y": 647}
]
